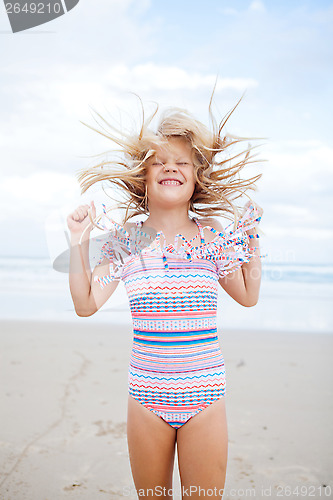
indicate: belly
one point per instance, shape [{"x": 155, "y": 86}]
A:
[{"x": 175, "y": 343}]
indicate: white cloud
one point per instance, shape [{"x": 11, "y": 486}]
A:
[
  {"x": 229, "y": 11},
  {"x": 44, "y": 118},
  {"x": 43, "y": 97},
  {"x": 257, "y": 6},
  {"x": 295, "y": 192},
  {"x": 31, "y": 194},
  {"x": 311, "y": 233},
  {"x": 299, "y": 166},
  {"x": 36, "y": 194},
  {"x": 287, "y": 210},
  {"x": 151, "y": 76}
]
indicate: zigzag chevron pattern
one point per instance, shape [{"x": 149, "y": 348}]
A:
[{"x": 176, "y": 366}]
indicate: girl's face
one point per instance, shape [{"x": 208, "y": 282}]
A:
[{"x": 170, "y": 175}]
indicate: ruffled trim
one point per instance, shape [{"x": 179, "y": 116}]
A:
[
  {"x": 229, "y": 250},
  {"x": 120, "y": 247}
]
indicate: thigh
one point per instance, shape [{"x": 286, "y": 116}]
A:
[
  {"x": 151, "y": 446},
  {"x": 202, "y": 445}
]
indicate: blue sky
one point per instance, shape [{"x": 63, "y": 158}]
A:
[{"x": 278, "y": 53}]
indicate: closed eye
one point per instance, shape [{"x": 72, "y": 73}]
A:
[{"x": 182, "y": 163}]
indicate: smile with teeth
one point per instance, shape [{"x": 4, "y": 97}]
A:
[{"x": 171, "y": 182}]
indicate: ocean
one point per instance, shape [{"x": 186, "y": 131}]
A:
[{"x": 293, "y": 297}]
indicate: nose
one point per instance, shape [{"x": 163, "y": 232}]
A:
[{"x": 170, "y": 167}]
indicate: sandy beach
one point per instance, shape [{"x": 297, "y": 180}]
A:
[{"x": 63, "y": 398}]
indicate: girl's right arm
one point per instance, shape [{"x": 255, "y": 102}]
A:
[{"x": 86, "y": 293}]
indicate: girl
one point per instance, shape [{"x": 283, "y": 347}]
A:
[{"x": 171, "y": 264}]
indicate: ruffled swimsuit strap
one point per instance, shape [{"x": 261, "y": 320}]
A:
[
  {"x": 158, "y": 245},
  {"x": 201, "y": 231},
  {"x": 186, "y": 245}
]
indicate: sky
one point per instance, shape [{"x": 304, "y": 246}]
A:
[{"x": 98, "y": 55}]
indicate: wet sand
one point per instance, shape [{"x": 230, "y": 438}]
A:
[{"x": 63, "y": 397}]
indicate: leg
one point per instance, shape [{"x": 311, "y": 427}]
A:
[
  {"x": 202, "y": 445},
  {"x": 151, "y": 446}
]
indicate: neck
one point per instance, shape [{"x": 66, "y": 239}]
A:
[{"x": 173, "y": 218}]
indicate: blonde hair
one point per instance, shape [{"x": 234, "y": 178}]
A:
[{"x": 216, "y": 171}]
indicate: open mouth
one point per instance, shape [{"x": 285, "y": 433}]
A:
[{"x": 170, "y": 182}]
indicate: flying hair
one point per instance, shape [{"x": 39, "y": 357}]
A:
[{"x": 217, "y": 166}]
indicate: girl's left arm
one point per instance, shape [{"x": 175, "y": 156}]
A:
[{"x": 243, "y": 285}]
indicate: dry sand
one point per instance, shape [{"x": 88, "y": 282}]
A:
[{"x": 63, "y": 397}]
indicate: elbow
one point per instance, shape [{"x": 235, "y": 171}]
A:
[
  {"x": 250, "y": 302},
  {"x": 84, "y": 307},
  {"x": 84, "y": 313}
]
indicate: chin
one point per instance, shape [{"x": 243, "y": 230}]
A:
[{"x": 167, "y": 201}]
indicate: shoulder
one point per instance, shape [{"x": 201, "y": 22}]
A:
[
  {"x": 129, "y": 225},
  {"x": 212, "y": 222},
  {"x": 209, "y": 223}
]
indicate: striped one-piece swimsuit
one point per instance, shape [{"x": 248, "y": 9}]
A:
[{"x": 176, "y": 366}]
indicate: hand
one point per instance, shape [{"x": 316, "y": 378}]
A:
[
  {"x": 79, "y": 220},
  {"x": 258, "y": 209}
]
